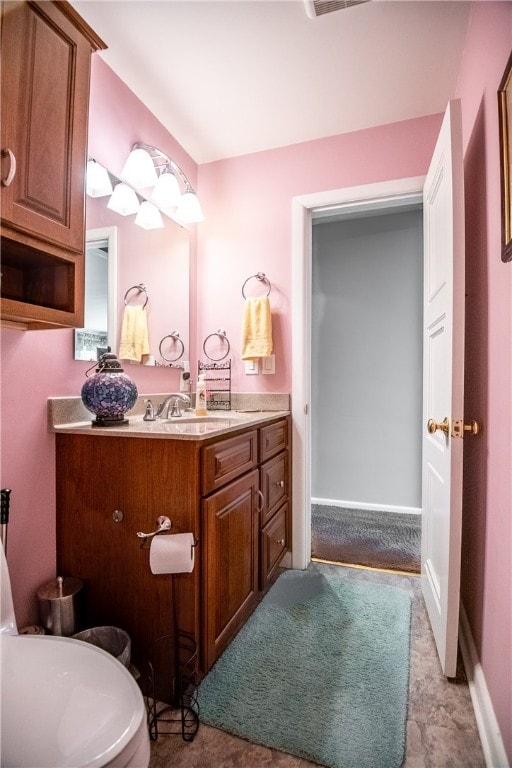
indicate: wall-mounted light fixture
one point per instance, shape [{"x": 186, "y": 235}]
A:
[{"x": 146, "y": 167}]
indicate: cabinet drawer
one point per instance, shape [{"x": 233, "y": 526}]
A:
[
  {"x": 273, "y": 545},
  {"x": 228, "y": 459},
  {"x": 273, "y": 439},
  {"x": 274, "y": 485}
]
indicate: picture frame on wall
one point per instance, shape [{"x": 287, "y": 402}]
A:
[{"x": 505, "y": 129}]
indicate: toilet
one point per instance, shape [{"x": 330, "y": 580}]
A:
[{"x": 65, "y": 703}]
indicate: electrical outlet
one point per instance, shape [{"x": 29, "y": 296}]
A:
[
  {"x": 268, "y": 364},
  {"x": 252, "y": 366}
]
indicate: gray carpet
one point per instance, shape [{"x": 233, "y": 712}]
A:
[
  {"x": 314, "y": 670},
  {"x": 377, "y": 539}
]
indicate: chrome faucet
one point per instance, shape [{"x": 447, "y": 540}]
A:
[{"x": 171, "y": 406}]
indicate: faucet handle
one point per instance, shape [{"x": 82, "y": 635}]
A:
[
  {"x": 176, "y": 407},
  {"x": 150, "y": 411}
]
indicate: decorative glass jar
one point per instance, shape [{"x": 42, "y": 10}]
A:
[{"x": 109, "y": 393}]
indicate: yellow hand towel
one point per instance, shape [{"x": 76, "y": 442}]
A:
[
  {"x": 134, "y": 334},
  {"x": 256, "y": 328}
]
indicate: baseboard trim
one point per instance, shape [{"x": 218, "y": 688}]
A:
[
  {"x": 364, "y": 505},
  {"x": 488, "y": 728}
]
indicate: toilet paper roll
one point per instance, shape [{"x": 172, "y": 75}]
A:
[{"x": 172, "y": 553}]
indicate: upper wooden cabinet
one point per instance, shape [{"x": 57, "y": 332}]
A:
[{"x": 45, "y": 58}]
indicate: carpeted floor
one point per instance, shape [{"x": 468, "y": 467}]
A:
[
  {"x": 388, "y": 540},
  {"x": 345, "y": 646}
]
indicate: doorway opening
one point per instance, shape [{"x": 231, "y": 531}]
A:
[
  {"x": 355, "y": 203},
  {"x": 367, "y": 385}
]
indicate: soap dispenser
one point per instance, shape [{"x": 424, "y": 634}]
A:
[{"x": 201, "y": 396}]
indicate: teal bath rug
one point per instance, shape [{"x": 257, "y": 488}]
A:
[{"x": 320, "y": 670}]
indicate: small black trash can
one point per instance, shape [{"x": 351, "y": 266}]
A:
[{"x": 111, "y": 639}]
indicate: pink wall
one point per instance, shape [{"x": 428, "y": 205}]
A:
[
  {"x": 487, "y": 535},
  {"x": 37, "y": 365},
  {"x": 248, "y": 207}
]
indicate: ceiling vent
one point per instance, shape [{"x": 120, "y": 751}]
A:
[{"x": 315, "y": 8}]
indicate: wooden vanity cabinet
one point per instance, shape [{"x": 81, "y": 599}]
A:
[
  {"x": 108, "y": 489},
  {"x": 45, "y": 58},
  {"x": 235, "y": 504}
]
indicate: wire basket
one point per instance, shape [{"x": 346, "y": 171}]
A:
[{"x": 170, "y": 687}]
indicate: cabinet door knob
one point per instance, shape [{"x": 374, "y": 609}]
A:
[
  {"x": 12, "y": 167},
  {"x": 280, "y": 483}
]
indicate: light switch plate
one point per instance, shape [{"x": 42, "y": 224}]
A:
[
  {"x": 252, "y": 366},
  {"x": 268, "y": 364}
]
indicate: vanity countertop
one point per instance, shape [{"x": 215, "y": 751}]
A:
[{"x": 185, "y": 427}]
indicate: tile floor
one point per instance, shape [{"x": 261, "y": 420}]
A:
[{"x": 441, "y": 730}]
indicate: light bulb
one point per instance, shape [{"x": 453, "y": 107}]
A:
[
  {"x": 123, "y": 200},
  {"x": 98, "y": 180},
  {"x": 189, "y": 208},
  {"x": 139, "y": 170},
  {"x": 149, "y": 216},
  {"x": 166, "y": 193}
]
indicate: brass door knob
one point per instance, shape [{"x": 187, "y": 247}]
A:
[
  {"x": 473, "y": 427},
  {"x": 433, "y": 426}
]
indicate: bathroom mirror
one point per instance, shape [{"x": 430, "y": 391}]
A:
[
  {"x": 157, "y": 258},
  {"x": 100, "y": 318}
]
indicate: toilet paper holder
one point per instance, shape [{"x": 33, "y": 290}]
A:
[{"x": 163, "y": 523}]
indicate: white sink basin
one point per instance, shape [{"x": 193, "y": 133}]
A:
[
  {"x": 199, "y": 420},
  {"x": 201, "y": 426}
]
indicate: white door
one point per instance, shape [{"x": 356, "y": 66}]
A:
[{"x": 443, "y": 217}]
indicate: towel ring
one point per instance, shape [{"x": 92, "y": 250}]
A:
[
  {"x": 261, "y": 277},
  {"x": 222, "y": 335},
  {"x": 176, "y": 338},
  {"x": 140, "y": 288}
]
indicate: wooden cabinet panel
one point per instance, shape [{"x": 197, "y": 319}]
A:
[
  {"x": 273, "y": 439},
  {"x": 230, "y": 563},
  {"x": 273, "y": 485},
  {"x": 273, "y": 545},
  {"x": 46, "y": 50},
  {"x": 142, "y": 479},
  {"x": 228, "y": 459}
]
